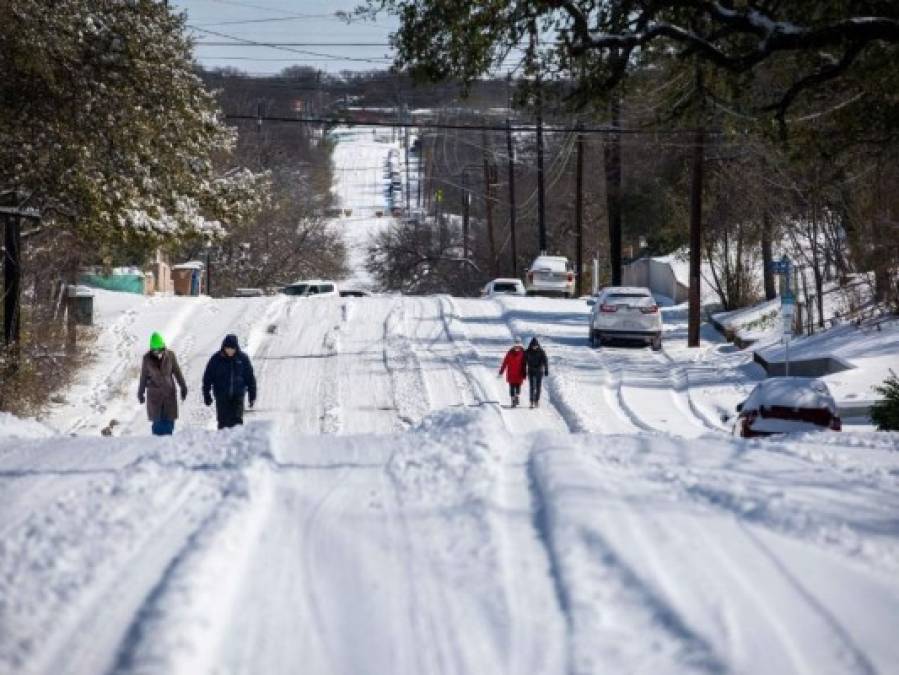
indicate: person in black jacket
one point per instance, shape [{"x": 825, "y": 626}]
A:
[
  {"x": 537, "y": 368},
  {"x": 229, "y": 377}
]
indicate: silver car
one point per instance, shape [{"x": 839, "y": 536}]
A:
[{"x": 625, "y": 313}]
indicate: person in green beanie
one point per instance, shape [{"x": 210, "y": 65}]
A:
[{"x": 158, "y": 373}]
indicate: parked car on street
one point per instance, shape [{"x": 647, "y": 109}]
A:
[
  {"x": 550, "y": 275},
  {"x": 625, "y": 313},
  {"x": 503, "y": 287},
  {"x": 785, "y": 404},
  {"x": 248, "y": 292},
  {"x": 310, "y": 288}
]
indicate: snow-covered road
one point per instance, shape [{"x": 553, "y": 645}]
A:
[{"x": 384, "y": 511}]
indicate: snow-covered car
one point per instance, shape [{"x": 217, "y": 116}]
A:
[
  {"x": 310, "y": 288},
  {"x": 248, "y": 292},
  {"x": 550, "y": 275},
  {"x": 781, "y": 405},
  {"x": 503, "y": 287},
  {"x": 625, "y": 313}
]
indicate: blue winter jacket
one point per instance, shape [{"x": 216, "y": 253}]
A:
[{"x": 229, "y": 377}]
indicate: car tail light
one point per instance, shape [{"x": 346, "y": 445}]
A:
[
  {"x": 650, "y": 310},
  {"x": 570, "y": 277},
  {"x": 608, "y": 309},
  {"x": 836, "y": 424}
]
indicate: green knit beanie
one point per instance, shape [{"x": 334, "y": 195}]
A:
[{"x": 156, "y": 341}]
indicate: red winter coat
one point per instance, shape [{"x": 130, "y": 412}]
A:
[{"x": 514, "y": 365}]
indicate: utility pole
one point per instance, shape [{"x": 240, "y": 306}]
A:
[
  {"x": 406, "y": 147},
  {"x": 541, "y": 203},
  {"x": 510, "y": 151},
  {"x": 12, "y": 278},
  {"x": 465, "y": 204},
  {"x": 421, "y": 161},
  {"x": 612, "y": 156},
  {"x": 579, "y": 213},
  {"x": 768, "y": 256},
  {"x": 695, "y": 297},
  {"x": 489, "y": 180}
]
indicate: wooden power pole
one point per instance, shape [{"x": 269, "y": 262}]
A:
[
  {"x": 489, "y": 181},
  {"x": 612, "y": 156},
  {"x": 695, "y": 297},
  {"x": 510, "y": 151},
  {"x": 579, "y": 214},
  {"x": 12, "y": 276}
]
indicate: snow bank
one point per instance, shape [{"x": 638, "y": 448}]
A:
[{"x": 12, "y": 427}]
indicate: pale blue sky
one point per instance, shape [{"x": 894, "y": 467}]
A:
[{"x": 313, "y": 23}]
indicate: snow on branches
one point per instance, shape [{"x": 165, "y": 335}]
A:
[{"x": 104, "y": 123}]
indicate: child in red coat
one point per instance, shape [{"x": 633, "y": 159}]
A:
[{"x": 515, "y": 367}]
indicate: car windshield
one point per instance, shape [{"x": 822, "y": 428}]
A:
[
  {"x": 505, "y": 287},
  {"x": 297, "y": 289}
]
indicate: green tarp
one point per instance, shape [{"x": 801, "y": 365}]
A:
[{"x": 127, "y": 283}]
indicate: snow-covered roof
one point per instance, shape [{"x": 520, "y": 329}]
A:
[
  {"x": 622, "y": 290},
  {"x": 791, "y": 392},
  {"x": 311, "y": 282},
  {"x": 553, "y": 262},
  {"x": 192, "y": 265}
]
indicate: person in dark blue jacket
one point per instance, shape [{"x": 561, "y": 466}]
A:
[{"x": 229, "y": 377}]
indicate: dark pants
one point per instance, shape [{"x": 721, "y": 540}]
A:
[
  {"x": 229, "y": 412},
  {"x": 514, "y": 390},
  {"x": 535, "y": 383},
  {"x": 163, "y": 427}
]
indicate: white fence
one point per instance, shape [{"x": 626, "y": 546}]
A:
[{"x": 657, "y": 276}]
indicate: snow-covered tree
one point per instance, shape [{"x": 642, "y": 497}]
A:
[{"x": 105, "y": 127}]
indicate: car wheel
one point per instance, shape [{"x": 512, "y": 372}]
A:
[
  {"x": 531, "y": 294},
  {"x": 657, "y": 343},
  {"x": 594, "y": 339}
]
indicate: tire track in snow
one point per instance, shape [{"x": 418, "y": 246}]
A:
[
  {"x": 473, "y": 359},
  {"x": 634, "y": 377},
  {"x": 605, "y": 601},
  {"x": 410, "y": 391},
  {"x": 180, "y": 624},
  {"x": 464, "y": 356}
]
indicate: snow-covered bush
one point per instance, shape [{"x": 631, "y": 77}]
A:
[{"x": 885, "y": 413}]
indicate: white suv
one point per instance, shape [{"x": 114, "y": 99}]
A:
[
  {"x": 550, "y": 275},
  {"x": 310, "y": 288},
  {"x": 503, "y": 287},
  {"x": 625, "y": 313}
]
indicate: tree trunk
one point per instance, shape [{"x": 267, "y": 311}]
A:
[
  {"x": 768, "y": 257},
  {"x": 695, "y": 299}
]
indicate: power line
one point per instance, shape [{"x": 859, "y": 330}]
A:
[
  {"x": 461, "y": 127},
  {"x": 216, "y": 43},
  {"x": 323, "y": 59},
  {"x": 285, "y": 49},
  {"x": 296, "y": 17}
]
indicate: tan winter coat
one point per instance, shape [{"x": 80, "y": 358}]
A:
[{"x": 157, "y": 381}]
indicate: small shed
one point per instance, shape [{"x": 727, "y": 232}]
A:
[{"x": 187, "y": 278}]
